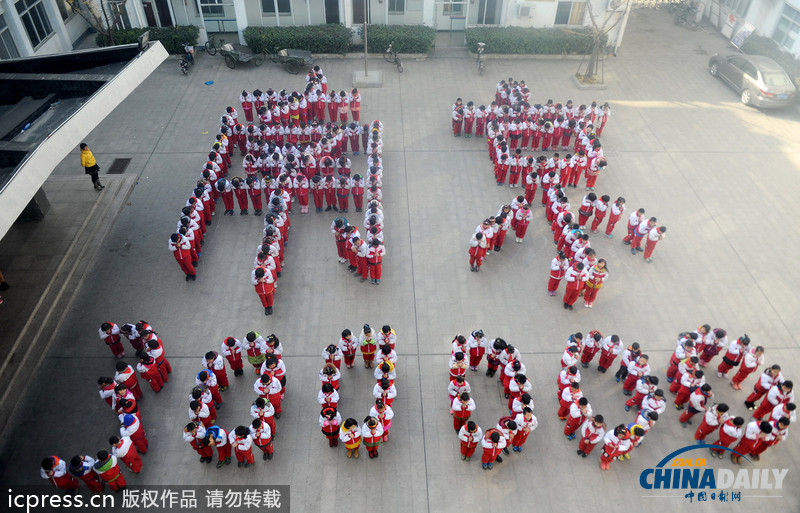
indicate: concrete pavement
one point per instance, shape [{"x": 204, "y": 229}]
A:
[{"x": 721, "y": 176}]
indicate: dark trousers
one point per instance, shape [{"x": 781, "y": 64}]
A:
[{"x": 92, "y": 172}]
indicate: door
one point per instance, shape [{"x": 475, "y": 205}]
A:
[
  {"x": 149, "y": 14},
  {"x": 332, "y": 11},
  {"x": 487, "y": 10},
  {"x": 733, "y": 73},
  {"x": 163, "y": 13},
  {"x": 358, "y": 12},
  {"x": 451, "y": 15}
]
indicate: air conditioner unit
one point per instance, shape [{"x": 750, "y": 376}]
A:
[{"x": 524, "y": 11}]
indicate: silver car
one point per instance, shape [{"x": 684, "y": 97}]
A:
[{"x": 759, "y": 80}]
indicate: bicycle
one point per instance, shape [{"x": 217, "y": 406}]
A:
[
  {"x": 210, "y": 46},
  {"x": 481, "y": 60},
  {"x": 391, "y": 56}
]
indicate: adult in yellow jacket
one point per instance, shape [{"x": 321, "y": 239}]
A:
[{"x": 90, "y": 165}]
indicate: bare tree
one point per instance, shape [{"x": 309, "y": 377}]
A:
[
  {"x": 599, "y": 32},
  {"x": 105, "y": 16}
]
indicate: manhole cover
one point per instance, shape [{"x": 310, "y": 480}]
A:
[{"x": 118, "y": 166}]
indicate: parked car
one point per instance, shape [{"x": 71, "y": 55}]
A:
[{"x": 759, "y": 80}]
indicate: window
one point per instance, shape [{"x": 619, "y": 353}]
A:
[
  {"x": 8, "y": 50},
  {"x": 453, "y": 9},
  {"x": 788, "y": 28},
  {"x": 570, "y": 13},
  {"x": 34, "y": 18},
  {"x": 284, "y": 6},
  {"x": 65, "y": 9},
  {"x": 212, "y": 8},
  {"x": 738, "y": 6},
  {"x": 397, "y": 6}
]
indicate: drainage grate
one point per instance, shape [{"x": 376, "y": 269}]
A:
[{"x": 118, "y": 166}]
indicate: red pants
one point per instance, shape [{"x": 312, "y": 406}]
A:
[
  {"x": 743, "y": 373},
  {"x": 683, "y": 395},
  {"x": 468, "y": 126},
  {"x": 330, "y": 197},
  {"x": 224, "y": 452},
  {"x": 513, "y": 178},
  {"x": 203, "y": 450},
  {"x": 375, "y": 270},
  {"x": 362, "y": 267},
  {"x": 358, "y": 201},
  {"x": 243, "y": 456},
  {"x": 275, "y": 399},
  {"x": 723, "y": 441},
  {"x": 133, "y": 461},
  {"x": 530, "y": 194},
  {"x": 520, "y": 438},
  {"x": 227, "y": 199},
  {"x": 606, "y": 359},
  {"x": 522, "y": 227},
  {"x": 222, "y": 377},
  {"x": 552, "y": 284},
  {"x": 349, "y": 359},
  {"x": 765, "y": 408},
  {"x": 489, "y": 455},
  {"x": 571, "y": 294},
  {"x": 500, "y": 238},
  {"x": 612, "y": 222},
  {"x": 724, "y": 367},
  {"x": 547, "y": 139},
  {"x": 468, "y": 449},
  {"x": 475, "y": 357},
  {"x": 241, "y": 198},
  {"x": 585, "y": 446},
  {"x": 344, "y": 201},
  {"x": 456, "y": 127},
  {"x": 535, "y": 138},
  {"x": 636, "y": 241},
  {"x": 118, "y": 483},
  {"x": 703, "y": 430},
  {"x": 635, "y": 400},
  {"x": 745, "y": 446},
  {"x": 235, "y": 362},
  {"x": 267, "y": 448},
  {"x": 215, "y": 394},
  {"x": 598, "y": 218},
  {"x": 479, "y": 128},
  {"x": 583, "y": 218},
  {"x": 341, "y": 248},
  {"x": 65, "y": 482},
  {"x": 139, "y": 440},
  {"x": 92, "y": 482},
  {"x": 757, "y": 394},
  {"x": 573, "y": 423},
  {"x": 590, "y": 180},
  {"x": 186, "y": 267},
  {"x": 649, "y": 247},
  {"x": 154, "y": 378},
  {"x": 590, "y": 294},
  {"x": 686, "y": 415},
  {"x": 630, "y": 382},
  {"x": 588, "y": 354},
  {"x": 302, "y": 198},
  {"x": 563, "y": 409},
  {"x": 267, "y": 299}
]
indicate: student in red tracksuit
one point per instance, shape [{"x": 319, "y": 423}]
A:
[
  {"x": 123, "y": 449},
  {"x": 470, "y": 436},
  {"x": 458, "y": 119},
  {"x": 127, "y": 376},
  {"x": 728, "y": 433},
  {"x": 194, "y": 432},
  {"x": 242, "y": 443},
  {"x": 54, "y": 469},
  {"x": 232, "y": 351},
  {"x": 240, "y": 191},
  {"x": 375, "y": 256},
  {"x": 477, "y": 250},
  {"x": 753, "y": 358},
  {"x": 524, "y": 217},
  {"x": 617, "y": 208},
  {"x": 109, "y": 333},
  {"x": 264, "y": 283},
  {"x": 576, "y": 277},
  {"x": 713, "y": 417},
  {"x": 82, "y": 467},
  {"x": 600, "y": 210},
  {"x": 148, "y": 368},
  {"x": 493, "y": 444},
  {"x": 108, "y": 470},
  {"x": 181, "y": 249},
  {"x": 592, "y": 432}
]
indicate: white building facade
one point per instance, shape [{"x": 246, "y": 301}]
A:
[{"x": 35, "y": 27}]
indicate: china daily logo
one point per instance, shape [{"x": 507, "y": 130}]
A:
[{"x": 687, "y": 473}]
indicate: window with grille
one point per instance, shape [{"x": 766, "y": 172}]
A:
[
  {"x": 788, "y": 28},
  {"x": 283, "y": 6},
  {"x": 8, "y": 49}
]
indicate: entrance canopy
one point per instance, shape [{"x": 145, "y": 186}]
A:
[{"x": 49, "y": 104}]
